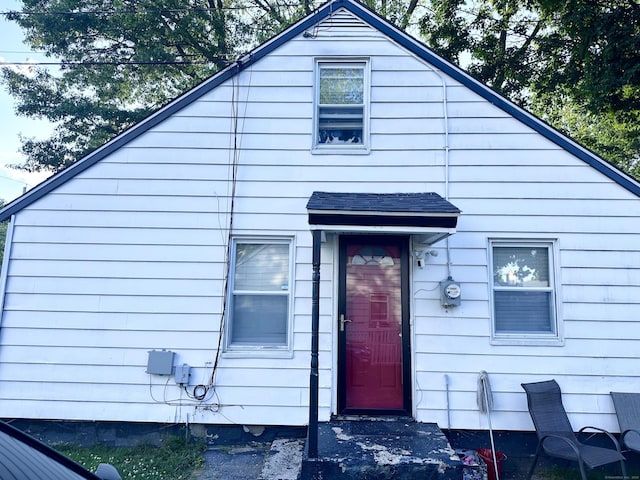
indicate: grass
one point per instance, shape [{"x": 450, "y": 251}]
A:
[
  {"x": 559, "y": 473},
  {"x": 177, "y": 460}
]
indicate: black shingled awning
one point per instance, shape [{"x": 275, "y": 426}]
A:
[{"x": 415, "y": 213}]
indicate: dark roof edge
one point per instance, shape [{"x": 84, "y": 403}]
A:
[{"x": 403, "y": 39}]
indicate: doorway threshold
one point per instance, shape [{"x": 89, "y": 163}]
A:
[{"x": 371, "y": 418}]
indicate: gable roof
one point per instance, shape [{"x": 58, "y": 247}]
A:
[{"x": 411, "y": 44}]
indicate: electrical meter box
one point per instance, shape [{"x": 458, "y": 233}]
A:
[
  {"x": 160, "y": 362},
  {"x": 450, "y": 293}
]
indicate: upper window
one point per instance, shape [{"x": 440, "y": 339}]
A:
[
  {"x": 259, "y": 300},
  {"x": 341, "y": 105},
  {"x": 523, "y": 290}
]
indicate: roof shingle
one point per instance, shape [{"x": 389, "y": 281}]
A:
[{"x": 428, "y": 202}]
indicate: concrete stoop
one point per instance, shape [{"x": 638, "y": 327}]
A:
[{"x": 398, "y": 449}]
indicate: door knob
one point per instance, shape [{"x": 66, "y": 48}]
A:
[{"x": 343, "y": 321}]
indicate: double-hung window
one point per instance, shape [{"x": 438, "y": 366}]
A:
[
  {"x": 523, "y": 290},
  {"x": 341, "y": 105},
  {"x": 259, "y": 295}
]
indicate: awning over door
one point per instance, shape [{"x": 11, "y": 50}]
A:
[{"x": 427, "y": 215}]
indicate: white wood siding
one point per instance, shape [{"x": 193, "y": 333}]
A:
[{"x": 128, "y": 256}]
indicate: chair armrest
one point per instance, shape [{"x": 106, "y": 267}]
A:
[
  {"x": 608, "y": 434},
  {"x": 573, "y": 446},
  {"x": 629, "y": 430}
]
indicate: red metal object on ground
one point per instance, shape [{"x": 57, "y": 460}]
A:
[{"x": 487, "y": 456}]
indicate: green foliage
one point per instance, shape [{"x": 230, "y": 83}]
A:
[
  {"x": 119, "y": 63},
  {"x": 84, "y": 122},
  {"x": 576, "y": 63},
  {"x": 594, "y": 49},
  {"x": 493, "y": 40},
  {"x": 176, "y": 461},
  {"x": 611, "y": 135},
  {"x": 572, "y": 472},
  {"x": 591, "y": 49}
]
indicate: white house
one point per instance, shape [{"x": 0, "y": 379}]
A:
[{"x": 168, "y": 276}]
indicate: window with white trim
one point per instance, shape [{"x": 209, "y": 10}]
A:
[
  {"x": 341, "y": 105},
  {"x": 259, "y": 295},
  {"x": 523, "y": 289}
]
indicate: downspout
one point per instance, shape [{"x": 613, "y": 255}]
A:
[
  {"x": 4, "y": 270},
  {"x": 312, "y": 434},
  {"x": 445, "y": 118},
  {"x": 446, "y": 148}
]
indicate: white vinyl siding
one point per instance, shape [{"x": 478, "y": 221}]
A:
[{"x": 259, "y": 300}]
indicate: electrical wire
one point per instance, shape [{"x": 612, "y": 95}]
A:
[
  {"x": 235, "y": 160},
  {"x": 92, "y": 63},
  {"x": 10, "y": 13},
  {"x": 200, "y": 393}
]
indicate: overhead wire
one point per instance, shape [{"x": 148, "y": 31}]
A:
[
  {"x": 235, "y": 160},
  {"x": 202, "y": 392},
  {"x": 118, "y": 13},
  {"x": 141, "y": 11},
  {"x": 82, "y": 63}
]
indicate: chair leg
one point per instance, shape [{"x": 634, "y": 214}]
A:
[
  {"x": 624, "y": 470},
  {"x": 535, "y": 460},
  {"x": 583, "y": 473}
]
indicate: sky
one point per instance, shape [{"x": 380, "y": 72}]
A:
[{"x": 14, "y": 181}]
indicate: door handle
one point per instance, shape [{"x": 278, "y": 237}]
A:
[{"x": 343, "y": 321}]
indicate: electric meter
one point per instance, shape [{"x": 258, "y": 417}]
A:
[{"x": 450, "y": 293}]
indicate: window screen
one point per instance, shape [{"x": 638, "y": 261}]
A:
[
  {"x": 523, "y": 295},
  {"x": 340, "y": 104},
  {"x": 260, "y": 294}
]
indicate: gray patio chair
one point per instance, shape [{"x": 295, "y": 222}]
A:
[
  {"x": 555, "y": 434},
  {"x": 627, "y": 407}
]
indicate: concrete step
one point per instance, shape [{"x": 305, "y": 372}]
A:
[
  {"x": 396, "y": 448},
  {"x": 283, "y": 460}
]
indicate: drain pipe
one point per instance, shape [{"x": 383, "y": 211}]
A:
[
  {"x": 446, "y": 386},
  {"x": 446, "y": 148},
  {"x": 445, "y": 119}
]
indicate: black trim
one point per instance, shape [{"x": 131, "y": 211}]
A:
[
  {"x": 402, "y": 242},
  {"x": 342, "y": 339},
  {"x": 382, "y": 220},
  {"x": 312, "y": 431},
  {"x": 411, "y": 44}
]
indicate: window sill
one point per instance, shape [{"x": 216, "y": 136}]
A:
[
  {"x": 257, "y": 352},
  {"x": 338, "y": 150},
  {"x": 528, "y": 341}
]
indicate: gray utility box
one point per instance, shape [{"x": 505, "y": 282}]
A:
[
  {"x": 160, "y": 362},
  {"x": 183, "y": 372}
]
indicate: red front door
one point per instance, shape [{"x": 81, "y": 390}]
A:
[{"x": 373, "y": 325}]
